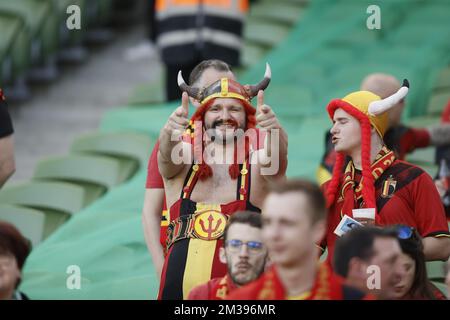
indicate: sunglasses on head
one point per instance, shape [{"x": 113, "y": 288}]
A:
[{"x": 405, "y": 232}]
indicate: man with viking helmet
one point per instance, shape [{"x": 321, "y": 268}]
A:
[
  {"x": 398, "y": 192},
  {"x": 205, "y": 188}
]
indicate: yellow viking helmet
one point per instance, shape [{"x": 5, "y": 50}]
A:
[{"x": 371, "y": 105}]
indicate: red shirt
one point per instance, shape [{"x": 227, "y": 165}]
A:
[
  {"x": 414, "y": 201},
  {"x": 327, "y": 286},
  {"x": 214, "y": 289}
]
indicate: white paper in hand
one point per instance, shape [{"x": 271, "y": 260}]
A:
[{"x": 346, "y": 225}]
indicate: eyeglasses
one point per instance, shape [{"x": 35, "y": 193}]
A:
[
  {"x": 236, "y": 245},
  {"x": 405, "y": 232}
]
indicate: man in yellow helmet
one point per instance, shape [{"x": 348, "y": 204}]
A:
[{"x": 398, "y": 192}]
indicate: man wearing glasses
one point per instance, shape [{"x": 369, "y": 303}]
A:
[{"x": 244, "y": 254}]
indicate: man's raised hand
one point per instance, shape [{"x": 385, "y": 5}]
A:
[
  {"x": 178, "y": 120},
  {"x": 265, "y": 117}
]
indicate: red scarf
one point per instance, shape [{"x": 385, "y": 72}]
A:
[
  {"x": 351, "y": 190},
  {"x": 325, "y": 286}
]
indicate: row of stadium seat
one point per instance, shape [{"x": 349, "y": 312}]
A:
[
  {"x": 62, "y": 186},
  {"x": 35, "y": 36},
  {"x": 309, "y": 67}
]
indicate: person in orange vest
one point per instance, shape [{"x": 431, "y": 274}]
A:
[
  {"x": 190, "y": 31},
  {"x": 244, "y": 254},
  {"x": 294, "y": 220}
]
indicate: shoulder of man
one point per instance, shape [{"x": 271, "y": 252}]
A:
[{"x": 203, "y": 291}]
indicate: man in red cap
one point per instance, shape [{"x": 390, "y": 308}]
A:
[
  {"x": 215, "y": 175},
  {"x": 395, "y": 191}
]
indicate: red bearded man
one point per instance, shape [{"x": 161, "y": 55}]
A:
[{"x": 219, "y": 173}]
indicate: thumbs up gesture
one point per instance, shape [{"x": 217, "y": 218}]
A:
[
  {"x": 265, "y": 117},
  {"x": 178, "y": 120}
]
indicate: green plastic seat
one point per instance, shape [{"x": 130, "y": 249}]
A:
[
  {"x": 58, "y": 200},
  {"x": 30, "y": 222},
  {"x": 284, "y": 13},
  {"x": 15, "y": 43},
  {"x": 257, "y": 32},
  {"x": 131, "y": 149},
  {"x": 96, "y": 174},
  {"x": 437, "y": 102},
  {"x": 443, "y": 80},
  {"x": 148, "y": 93},
  {"x": 252, "y": 53},
  {"x": 41, "y": 22},
  {"x": 435, "y": 270}
]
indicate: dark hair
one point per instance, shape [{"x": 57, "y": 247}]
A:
[
  {"x": 215, "y": 64},
  {"x": 421, "y": 287},
  {"x": 312, "y": 191},
  {"x": 251, "y": 218},
  {"x": 12, "y": 242},
  {"x": 358, "y": 243}
]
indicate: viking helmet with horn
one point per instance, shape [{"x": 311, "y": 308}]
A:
[
  {"x": 222, "y": 88},
  {"x": 225, "y": 88},
  {"x": 370, "y": 110}
]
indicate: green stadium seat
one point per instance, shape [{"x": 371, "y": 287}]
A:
[
  {"x": 149, "y": 93},
  {"x": 30, "y": 222},
  {"x": 42, "y": 24},
  {"x": 437, "y": 102},
  {"x": 443, "y": 80},
  {"x": 131, "y": 149},
  {"x": 283, "y": 13},
  {"x": 15, "y": 46},
  {"x": 252, "y": 53},
  {"x": 435, "y": 270},
  {"x": 96, "y": 174},
  {"x": 257, "y": 32},
  {"x": 58, "y": 200}
]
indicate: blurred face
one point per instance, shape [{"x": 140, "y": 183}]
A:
[
  {"x": 386, "y": 257},
  {"x": 287, "y": 230},
  {"x": 208, "y": 77},
  {"x": 395, "y": 114},
  {"x": 9, "y": 273},
  {"x": 346, "y": 132},
  {"x": 224, "y": 117},
  {"x": 244, "y": 253},
  {"x": 408, "y": 267}
]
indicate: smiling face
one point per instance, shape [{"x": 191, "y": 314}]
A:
[
  {"x": 244, "y": 253},
  {"x": 346, "y": 132},
  {"x": 224, "y": 117}
]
